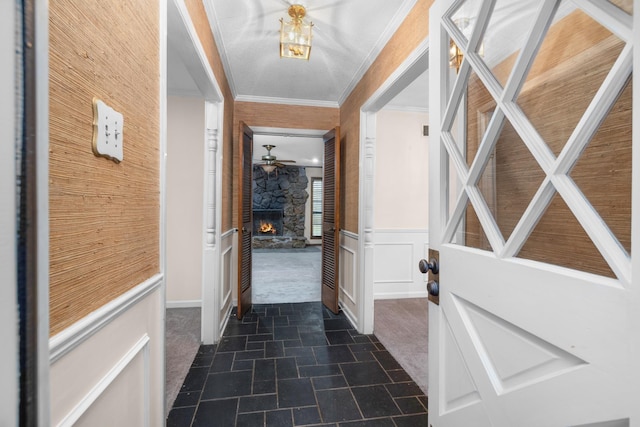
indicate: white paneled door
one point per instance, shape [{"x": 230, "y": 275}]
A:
[{"x": 531, "y": 212}]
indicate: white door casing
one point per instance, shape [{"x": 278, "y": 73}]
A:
[
  {"x": 9, "y": 328},
  {"x": 182, "y": 33},
  {"x": 517, "y": 342},
  {"x": 413, "y": 66}
]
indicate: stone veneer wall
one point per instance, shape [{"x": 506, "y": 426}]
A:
[{"x": 286, "y": 189}]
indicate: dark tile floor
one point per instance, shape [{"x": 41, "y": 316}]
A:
[{"x": 297, "y": 365}]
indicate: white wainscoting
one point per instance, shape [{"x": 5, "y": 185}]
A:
[
  {"x": 348, "y": 270},
  {"x": 135, "y": 362},
  {"x": 110, "y": 365},
  {"x": 228, "y": 267},
  {"x": 397, "y": 253}
]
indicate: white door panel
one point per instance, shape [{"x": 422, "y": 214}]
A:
[
  {"x": 520, "y": 360},
  {"x": 530, "y": 182}
]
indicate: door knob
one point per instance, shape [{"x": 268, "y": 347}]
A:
[
  {"x": 425, "y": 266},
  {"x": 433, "y": 288}
]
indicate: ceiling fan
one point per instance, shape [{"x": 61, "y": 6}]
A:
[{"x": 270, "y": 162}]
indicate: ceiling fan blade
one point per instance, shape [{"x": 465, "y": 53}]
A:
[{"x": 286, "y": 161}]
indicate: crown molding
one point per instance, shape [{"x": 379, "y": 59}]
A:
[{"x": 287, "y": 101}]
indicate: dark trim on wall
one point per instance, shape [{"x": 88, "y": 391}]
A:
[{"x": 27, "y": 221}]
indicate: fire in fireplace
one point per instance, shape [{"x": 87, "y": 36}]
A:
[
  {"x": 267, "y": 222},
  {"x": 266, "y": 228}
]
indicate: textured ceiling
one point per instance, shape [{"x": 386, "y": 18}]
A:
[{"x": 347, "y": 36}]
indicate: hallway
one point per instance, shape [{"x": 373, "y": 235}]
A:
[{"x": 297, "y": 365}]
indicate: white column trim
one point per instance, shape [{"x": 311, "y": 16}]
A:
[
  {"x": 211, "y": 131},
  {"x": 366, "y": 245}
]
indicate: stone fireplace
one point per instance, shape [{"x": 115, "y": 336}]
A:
[{"x": 279, "y": 198}]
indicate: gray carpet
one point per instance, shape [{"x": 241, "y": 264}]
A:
[
  {"x": 402, "y": 326},
  {"x": 182, "y": 343},
  {"x": 286, "y": 275}
]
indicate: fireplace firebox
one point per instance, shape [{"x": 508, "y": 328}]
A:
[{"x": 267, "y": 222}]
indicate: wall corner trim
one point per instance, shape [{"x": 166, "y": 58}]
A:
[{"x": 65, "y": 341}]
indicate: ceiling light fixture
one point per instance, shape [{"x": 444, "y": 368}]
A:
[
  {"x": 268, "y": 168},
  {"x": 295, "y": 35}
]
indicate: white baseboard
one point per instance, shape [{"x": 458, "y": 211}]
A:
[
  {"x": 400, "y": 295},
  {"x": 223, "y": 323},
  {"x": 349, "y": 315},
  {"x": 196, "y": 303}
]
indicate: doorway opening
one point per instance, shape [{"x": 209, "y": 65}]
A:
[
  {"x": 286, "y": 255},
  {"x": 197, "y": 296},
  {"x": 394, "y": 235}
]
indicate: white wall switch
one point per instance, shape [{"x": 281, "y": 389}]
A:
[{"x": 107, "y": 131}]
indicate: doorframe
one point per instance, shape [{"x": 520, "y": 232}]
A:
[
  {"x": 290, "y": 132},
  {"x": 635, "y": 208},
  {"x": 34, "y": 107},
  {"x": 197, "y": 63},
  {"x": 40, "y": 13},
  {"x": 415, "y": 64},
  {"x": 9, "y": 332}
]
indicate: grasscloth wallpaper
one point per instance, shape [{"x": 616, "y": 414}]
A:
[{"x": 104, "y": 217}]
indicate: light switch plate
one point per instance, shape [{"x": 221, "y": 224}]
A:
[{"x": 107, "y": 131}]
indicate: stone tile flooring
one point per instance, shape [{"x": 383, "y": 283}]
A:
[{"x": 297, "y": 365}]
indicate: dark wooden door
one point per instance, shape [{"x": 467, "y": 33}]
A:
[
  {"x": 245, "y": 219},
  {"x": 331, "y": 220}
]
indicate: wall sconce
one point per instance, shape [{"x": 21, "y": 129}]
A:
[
  {"x": 455, "y": 56},
  {"x": 295, "y": 35},
  {"x": 455, "y": 53}
]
